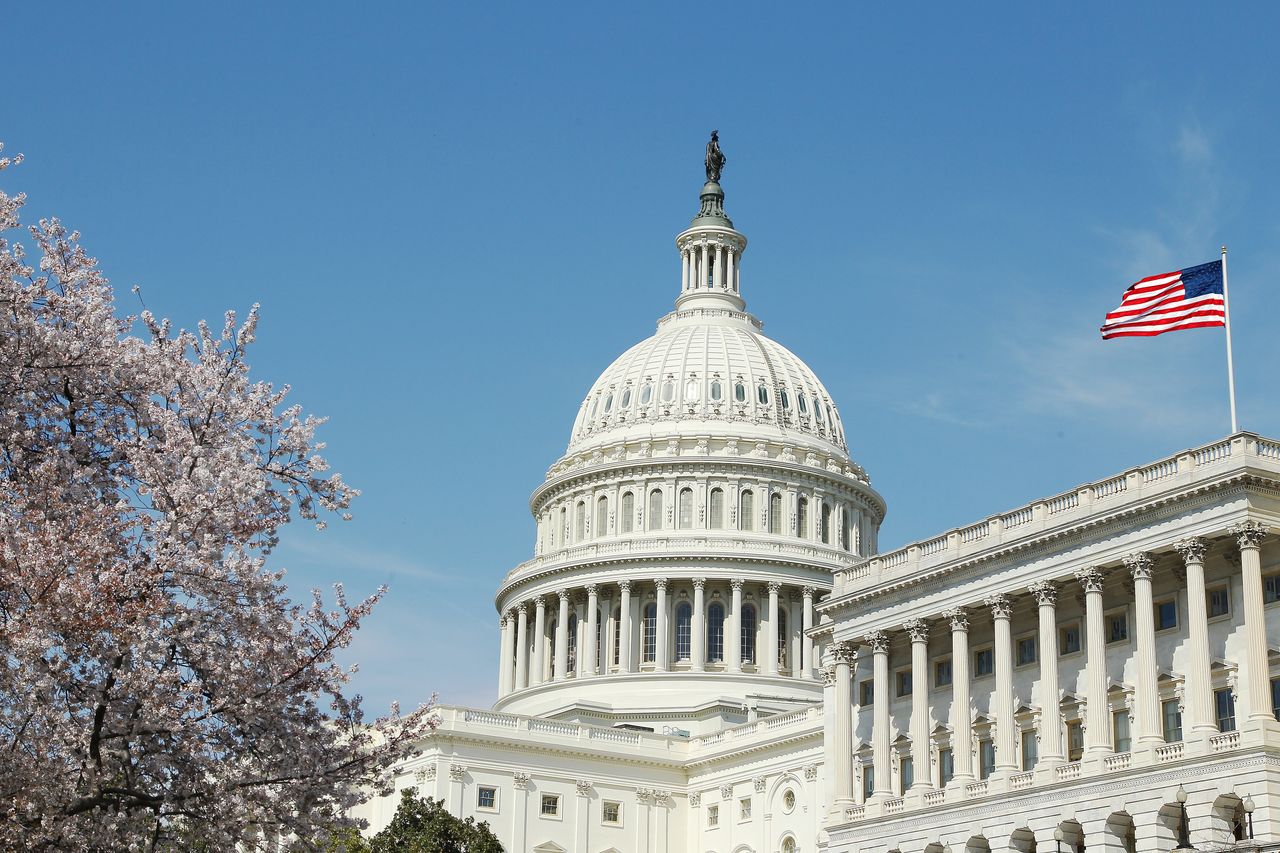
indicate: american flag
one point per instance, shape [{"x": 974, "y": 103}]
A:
[{"x": 1191, "y": 298}]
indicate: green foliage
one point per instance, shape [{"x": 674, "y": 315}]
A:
[{"x": 424, "y": 826}]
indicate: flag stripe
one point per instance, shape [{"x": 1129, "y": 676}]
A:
[{"x": 1162, "y": 303}]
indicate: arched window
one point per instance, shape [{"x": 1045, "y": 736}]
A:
[
  {"x": 824, "y": 522},
  {"x": 739, "y": 392},
  {"x": 801, "y": 398},
  {"x": 788, "y": 845},
  {"x": 684, "y": 630},
  {"x": 562, "y": 527},
  {"x": 550, "y": 640},
  {"x": 646, "y": 393},
  {"x": 692, "y": 391},
  {"x": 748, "y": 633},
  {"x": 746, "y": 511},
  {"x": 599, "y": 634},
  {"x": 717, "y": 509},
  {"x": 686, "y": 509},
  {"x": 802, "y": 518},
  {"x": 715, "y": 632},
  {"x": 655, "y": 509},
  {"x": 668, "y": 391},
  {"x": 775, "y": 513},
  {"x": 762, "y": 394},
  {"x": 782, "y": 636},
  {"x": 580, "y": 521},
  {"x": 649, "y": 627},
  {"x": 617, "y": 634},
  {"x": 785, "y": 399},
  {"x": 626, "y": 398},
  {"x": 608, "y": 403},
  {"x": 628, "y": 512},
  {"x": 844, "y": 528},
  {"x": 602, "y": 516},
  {"x": 573, "y": 643}
]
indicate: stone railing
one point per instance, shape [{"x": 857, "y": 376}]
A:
[
  {"x": 1120, "y": 761},
  {"x": 1131, "y": 487},
  {"x": 765, "y": 729}
]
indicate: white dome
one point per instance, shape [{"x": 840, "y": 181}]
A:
[{"x": 709, "y": 372}]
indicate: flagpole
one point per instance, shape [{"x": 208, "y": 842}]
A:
[{"x": 1231, "y": 373}]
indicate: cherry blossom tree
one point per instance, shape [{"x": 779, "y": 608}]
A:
[{"x": 158, "y": 687}]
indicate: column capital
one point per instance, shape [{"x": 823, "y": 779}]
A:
[
  {"x": 736, "y": 583},
  {"x": 1192, "y": 549},
  {"x": 808, "y": 591},
  {"x": 1045, "y": 592},
  {"x": 918, "y": 629},
  {"x": 563, "y": 594},
  {"x": 1249, "y": 534},
  {"x": 878, "y": 641},
  {"x": 540, "y": 602},
  {"x": 1001, "y": 606},
  {"x": 624, "y": 585},
  {"x": 521, "y": 609},
  {"x": 592, "y": 589},
  {"x": 958, "y": 618},
  {"x": 699, "y": 583},
  {"x": 1140, "y": 565},
  {"x": 1091, "y": 578},
  {"x": 774, "y": 586},
  {"x": 584, "y": 787},
  {"x": 660, "y": 584},
  {"x": 845, "y": 653}
]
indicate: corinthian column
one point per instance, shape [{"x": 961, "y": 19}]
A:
[
  {"x": 522, "y": 647},
  {"x": 918, "y": 629},
  {"x": 1198, "y": 698},
  {"x": 562, "y": 636},
  {"x": 624, "y": 626},
  {"x": 771, "y": 653},
  {"x": 1001, "y": 613},
  {"x": 806, "y": 642},
  {"x": 539, "y": 673},
  {"x": 660, "y": 647},
  {"x": 1050, "y": 734},
  {"x": 733, "y": 636},
  {"x": 1097, "y": 732},
  {"x": 844, "y": 655},
  {"x": 593, "y": 628},
  {"x": 1249, "y": 536},
  {"x": 879, "y": 642},
  {"x": 1145, "y": 691},
  {"x": 961, "y": 717},
  {"x": 504, "y": 657},
  {"x": 698, "y": 628}
]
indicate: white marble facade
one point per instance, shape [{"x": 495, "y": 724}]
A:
[{"x": 708, "y": 653}]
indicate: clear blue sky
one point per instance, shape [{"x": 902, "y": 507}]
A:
[{"x": 455, "y": 219}]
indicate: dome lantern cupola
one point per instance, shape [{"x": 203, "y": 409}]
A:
[{"x": 711, "y": 248}]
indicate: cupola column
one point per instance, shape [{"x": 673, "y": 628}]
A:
[
  {"x": 593, "y": 629},
  {"x": 698, "y": 640},
  {"x": 705, "y": 266},
  {"x": 562, "y": 636},
  {"x": 624, "y": 626},
  {"x": 730, "y": 282},
  {"x": 522, "y": 647},
  {"x": 684, "y": 271},
  {"x": 539, "y": 673},
  {"x": 661, "y": 657},
  {"x": 733, "y": 638}
]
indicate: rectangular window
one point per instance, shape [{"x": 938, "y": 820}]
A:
[
  {"x": 1224, "y": 707},
  {"x": 1166, "y": 614},
  {"x": 946, "y": 766},
  {"x": 1030, "y": 751},
  {"x": 866, "y": 692},
  {"x": 1171, "y": 715},
  {"x": 713, "y": 816},
  {"x": 1271, "y": 589},
  {"x": 1069, "y": 639},
  {"x": 486, "y": 797},
  {"x": 986, "y": 758},
  {"x": 1075, "y": 740},
  {"x": 744, "y": 808},
  {"x": 1026, "y": 652},
  {"x": 904, "y": 682},
  {"x": 906, "y": 774},
  {"x": 942, "y": 672},
  {"x": 868, "y": 781},
  {"x": 1117, "y": 626},
  {"x": 1218, "y": 600},
  {"x": 550, "y": 805},
  {"x": 983, "y": 663},
  {"x": 1120, "y": 739},
  {"x": 611, "y": 812},
  {"x": 1275, "y": 697}
]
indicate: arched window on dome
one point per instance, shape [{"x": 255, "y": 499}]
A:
[
  {"x": 782, "y": 635},
  {"x": 608, "y": 403},
  {"x": 802, "y": 400},
  {"x": 684, "y": 630},
  {"x": 715, "y": 632},
  {"x": 602, "y": 517},
  {"x": 562, "y": 527},
  {"x": 824, "y": 522},
  {"x": 655, "y": 509},
  {"x": 627, "y": 516},
  {"x": 775, "y": 513},
  {"x": 649, "y": 628},
  {"x": 748, "y": 633},
  {"x": 817, "y": 411},
  {"x": 844, "y": 527},
  {"x": 617, "y": 634},
  {"x": 740, "y": 392},
  {"x": 626, "y": 398},
  {"x": 762, "y": 394},
  {"x": 717, "y": 390},
  {"x": 573, "y": 643},
  {"x": 551, "y": 658},
  {"x": 668, "y": 391},
  {"x": 716, "y": 509},
  {"x": 746, "y": 510},
  {"x": 595, "y": 406},
  {"x": 802, "y": 518},
  {"x": 784, "y": 399},
  {"x": 580, "y": 521},
  {"x": 646, "y": 394},
  {"x": 685, "y": 507},
  {"x": 692, "y": 391}
]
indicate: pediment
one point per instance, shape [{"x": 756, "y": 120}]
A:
[{"x": 549, "y": 847}]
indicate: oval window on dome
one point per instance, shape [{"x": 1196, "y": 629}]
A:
[
  {"x": 817, "y": 411},
  {"x": 717, "y": 390},
  {"x": 626, "y": 398},
  {"x": 646, "y": 394},
  {"x": 762, "y": 394},
  {"x": 740, "y": 392},
  {"x": 668, "y": 391},
  {"x": 608, "y": 403},
  {"x": 784, "y": 398},
  {"x": 800, "y": 398},
  {"x": 595, "y": 406},
  {"x": 830, "y": 416},
  {"x": 691, "y": 391}
]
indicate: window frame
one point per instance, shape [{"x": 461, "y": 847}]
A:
[
  {"x": 866, "y": 692},
  {"x": 937, "y": 663},
  {"x": 744, "y": 809},
  {"x": 1019, "y": 642},
  {"x": 1107, "y": 617},
  {"x": 556, "y": 814},
  {"x": 1218, "y": 716},
  {"x": 1165, "y": 729},
  {"x": 1025, "y": 737},
  {"x": 1223, "y": 586},
  {"x": 1156, "y": 611},
  {"x": 480, "y": 791},
  {"x": 713, "y": 816},
  {"x": 1063, "y": 628},
  {"x": 899, "y": 675},
  {"x": 990, "y": 653},
  {"x": 1116, "y": 717},
  {"x": 617, "y": 820}
]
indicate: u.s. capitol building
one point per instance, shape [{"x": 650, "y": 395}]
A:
[{"x": 709, "y": 653}]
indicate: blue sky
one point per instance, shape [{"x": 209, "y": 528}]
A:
[{"x": 456, "y": 218}]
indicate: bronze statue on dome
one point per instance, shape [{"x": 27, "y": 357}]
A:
[{"x": 715, "y": 157}]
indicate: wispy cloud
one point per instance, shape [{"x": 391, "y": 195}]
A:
[{"x": 368, "y": 561}]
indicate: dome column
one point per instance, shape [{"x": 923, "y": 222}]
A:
[
  {"x": 661, "y": 655},
  {"x": 562, "y": 636},
  {"x": 593, "y": 627},
  {"x": 705, "y": 266},
  {"x": 806, "y": 642},
  {"x": 504, "y": 657},
  {"x": 771, "y": 660},
  {"x": 733, "y": 642},
  {"x": 729, "y": 271},
  {"x": 684, "y": 271},
  {"x": 539, "y": 671},
  {"x": 522, "y": 647},
  {"x": 624, "y": 626},
  {"x": 698, "y": 630}
]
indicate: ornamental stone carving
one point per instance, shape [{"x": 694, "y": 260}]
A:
[
  {"x": 828, "y": 675},
  {"x": 425, "y": 774},
  {"x": 808, "y": 592},
  {"x": 521, "y": 780},
  {"x": 736, "y": 583},
  {"x": 592, "y": 589},
  {"x": 844, "y": 653},
  {"x": 878, "y": 641},
  {"x": 760, "y": 783},
  {"x": 1045, "y": 593},
  {"x": 563, "y": 595},
  {"x": 660, "y": 584},
  {"x": 726, "y": 792},
  {"x": 644, "y": 795},
  {"x": 456, "y": 772},
  {"x": 1249, "y": 534},
  {"x": 699, "y": 583},
  {"x": 1140, "y": 565},
  {"x": 810, "y": 772},
  {"x": 662, "y": 798},
  {"x": 1001, "y": 606},
  {"x": 958, "y": 618},
  {"x": 695, "y": 800},
  {"x": 624, "y": 585},
  {"x": 774, "y": 587},
  {"x": 1090, "y": 579},
  {"x": 584, "y": 787},
  {"x": 917, "y": 629},
  {"x": 1192, "y": 549}
]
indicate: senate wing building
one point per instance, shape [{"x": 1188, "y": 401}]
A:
[{"x": 708, "y": 652}]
